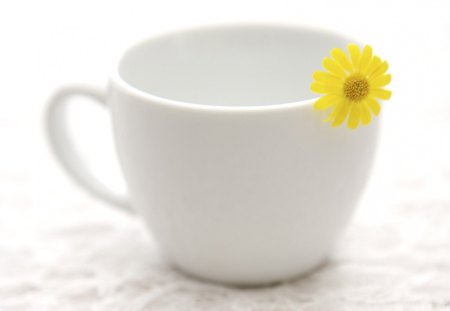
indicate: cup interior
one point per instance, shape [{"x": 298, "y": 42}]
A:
[{"x": 240, "y": 65}]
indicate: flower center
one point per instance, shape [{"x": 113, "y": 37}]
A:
[{"x": 356, "y": 87}]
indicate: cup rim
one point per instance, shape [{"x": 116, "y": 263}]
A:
[{"x": 116, "y": 78}]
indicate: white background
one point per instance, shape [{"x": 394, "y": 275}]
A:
[{"x": 47, "y": 44}]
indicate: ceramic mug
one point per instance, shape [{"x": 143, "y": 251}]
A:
[{"x": 237, "y": 176}]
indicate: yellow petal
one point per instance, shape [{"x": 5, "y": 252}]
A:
[
  {"x": 353, "y": 119},
  {"x": 321, "y": 88},
  {"x": 366, "y": 116},
  {"x": 341, "y": 58},
  {"x": 374, "y": 63},
  {"x": 336, "y": 109},
  {"x": 327, "y": 78},
  {"x": 365, "y": 58},
  {"x": 341, "y": 115},
  {"x": 379, "y": 71},
  {"x": 355, "y": 55},
  {"x": 333, "y": 67},
  {"x": 381, "y": 93},
  {"x": 374, "y": 105},
  {"x": 380, "y": 81},
  {"x": 326, "y": 102}
]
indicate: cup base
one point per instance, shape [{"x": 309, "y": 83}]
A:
[{"x": 254, "y": 283}]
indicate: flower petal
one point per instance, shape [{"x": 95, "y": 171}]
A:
[
  {"x": 380, "y": 81},
  {"x": 379, "y": 71},
  {"x": 321, "y": 88},
  {"x": 366, "y": 116},
  {"x": 327, "y": 78},
  {"x": 341, "y": 58},
  {"x": 365, "y": 58},
  {"x": 333, "y": 67},
  {"x": 353, "y": 119},
  {"x": 326, "y": 102},
  {"x": 381, "y": 93},
  {"x": 374, "y": 105},
  {"x": 374, "y": 63},
  {"x": 355, "y": 54},
  {"x": 336, "y": 109},
  {"x": 341, "y": 114}
]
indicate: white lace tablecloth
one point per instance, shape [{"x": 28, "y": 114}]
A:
[{"x": 62, "y": 250}]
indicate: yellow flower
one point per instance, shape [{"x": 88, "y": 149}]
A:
[{"x": 351, "y": 85}]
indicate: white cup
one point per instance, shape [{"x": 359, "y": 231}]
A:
[{"x": 237, "y": 176}]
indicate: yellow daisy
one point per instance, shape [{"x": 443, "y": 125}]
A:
[{"x": 351, "y": 86}]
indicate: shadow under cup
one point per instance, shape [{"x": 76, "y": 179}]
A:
[{"x": 237, "y": 177}]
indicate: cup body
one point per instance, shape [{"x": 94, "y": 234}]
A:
[{"x": 234, "y": 191}]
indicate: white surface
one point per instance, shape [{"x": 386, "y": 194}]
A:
[
  {"x": 62, "y": 250},
  {"x": 239, "y": 64}
]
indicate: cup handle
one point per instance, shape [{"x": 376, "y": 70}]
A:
[{"x": 64, "y": 148}]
